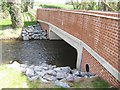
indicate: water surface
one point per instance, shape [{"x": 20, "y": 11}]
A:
[{"x": 36, "y": 51}]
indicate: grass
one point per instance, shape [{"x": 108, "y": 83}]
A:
[
  {"x": 62, "y": 6},
  {"x": 11, "y": 78},
  {"x": 96, "y": 82},
  {"x": 5, "y": 22},
  {"x": 28, "y": 23}
]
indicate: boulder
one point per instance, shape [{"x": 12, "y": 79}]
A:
[
  {"x": 49, "y": 77},
  {"x": 61, "y": 84},
  {"x": 61, "y": 75},
  {"x": 37, "y": 68},
  {"x": 63, "y": 69},
  {"x": 43, "y": 80},
  {"x": 52, "y": 72},
  {"x": 30, "y": 72},
  {"x": 70, "y": 78},
  {"x": 33, "y": 78},
  {"x": 25, "y": 38}
]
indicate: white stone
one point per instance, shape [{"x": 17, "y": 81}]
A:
[
  {"x": 61, "y": 75},
  {"x": 36, "y": 31},
  {"x": 45, "y": 67},
  {"x": 66, "y": 69},
  {"x": 24, "y": 31},
  {"x": 37, "y": 68},
  {"x": 23, "y": 34},
  {"x": 58, "y": 69},
  {"x": 44, "y": 64},
  {"x": 43, "y": 80},
  {"x": 49, "y": 78},
  {"x": 62, "y": 84},
  {"x": 30, "y": 72},
  {"x": 52, "y": 72},
  {"x": 25, "y": 38},
  {"x": 33, "y": 78},
  {"x": 70, "y": 78},
  {"x": 63, "y": 69}
]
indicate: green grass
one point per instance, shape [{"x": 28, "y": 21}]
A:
[
  {"x": 62, "y": 6},
  {"x": 28, "y": 23},
  {"x": 91, "y": 83},
  {"x": 11, "y": 78},
  {"x": 5, "y": 22}
]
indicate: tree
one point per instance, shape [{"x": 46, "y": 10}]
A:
[
  {"x": 4, "y": 9},
  {"x": 15, "y": 13},
  {"x": 103, "y": 5},
  {"x": 27, "y": 4}
]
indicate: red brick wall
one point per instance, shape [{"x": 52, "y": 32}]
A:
[{"x": 97, "y": 29}]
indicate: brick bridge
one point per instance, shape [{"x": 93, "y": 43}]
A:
[{"x": 94, "y": 35}]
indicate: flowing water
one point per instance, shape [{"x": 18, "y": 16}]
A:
[{"x": 33, "y": 52}]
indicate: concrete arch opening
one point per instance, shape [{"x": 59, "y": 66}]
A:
[
  {"x": 71, "y": 51},
  {"x": 57, "y": 34}
]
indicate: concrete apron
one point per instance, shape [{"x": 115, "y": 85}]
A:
[{"x": 79, "y": 45}]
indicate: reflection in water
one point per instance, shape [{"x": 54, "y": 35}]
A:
[{"x": 36, "y": 51}]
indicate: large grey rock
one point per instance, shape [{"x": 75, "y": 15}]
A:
[
  {"x": 70, "y": 78},
  {"x": 30, "y": 72},
  {"x": 25, "y": 38},
  {"x": 61, "y": 75},
  {"x": 49, "y": 77},
  {"x": 23, "y": 32},
  {"x": 43, "y": 80},
  {"x": 66, "y": 69},
  {"x": 33, "y": 78},
  {"x": 40, "y": 73},
  {"x": 37, "y": 68},
  {"x": 45, "y": 67},
  {"x": 63, "y": 69},
  {"x": 52, "y": 72},
  {"x": 36, "y": 31},
  {"x": 58, "y": 69},
  {"x": 62, "y": 84},
  {"x": 43, "y": 64}
]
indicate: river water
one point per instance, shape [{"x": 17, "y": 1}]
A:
[{"x": 33, "y": 52}]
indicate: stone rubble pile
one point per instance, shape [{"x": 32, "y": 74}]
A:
[
  {"x": 51, "y": 74},
  {"x": 33, "y": 32}
]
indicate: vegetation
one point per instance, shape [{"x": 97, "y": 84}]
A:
[
  {"x": 58, "y": 6},
  {"x": 15, "y": 14},
  {"x": 101, "y": 5},
  {"x": 12, "y": 78},
  {"x": 91, "y": 83}
]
